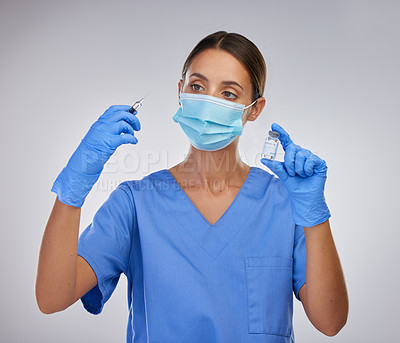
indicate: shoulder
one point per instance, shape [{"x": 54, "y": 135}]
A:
[
  {"x": 155, "y": 181},
  {"x": 268, "y": 182}
]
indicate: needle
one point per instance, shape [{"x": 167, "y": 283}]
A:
[{"x": 137, "y": 104}]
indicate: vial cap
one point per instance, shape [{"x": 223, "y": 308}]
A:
[{"x": 273, "y": 134}]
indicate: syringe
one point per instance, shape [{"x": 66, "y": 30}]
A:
[{"x": 137, "y": 104}]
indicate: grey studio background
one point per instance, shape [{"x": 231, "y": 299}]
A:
[{"x": 333, "y": 84}]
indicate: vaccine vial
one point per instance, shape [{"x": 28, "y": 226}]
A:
[{"x": 270, "y": 145}]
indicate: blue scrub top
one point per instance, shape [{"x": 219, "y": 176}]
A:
[{"x": 189, "y": 281}]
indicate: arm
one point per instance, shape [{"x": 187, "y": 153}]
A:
[
  {"x": 62, "y": 276},
  {"x": 324, "y": 296}
]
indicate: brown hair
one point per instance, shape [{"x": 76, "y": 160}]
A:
[{"x": 239, "y": 47}]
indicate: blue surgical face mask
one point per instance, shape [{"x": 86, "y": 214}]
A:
[{"x": 210, "y": 123}]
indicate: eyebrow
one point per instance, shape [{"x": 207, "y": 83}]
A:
[{"x": 201, "y": 76}]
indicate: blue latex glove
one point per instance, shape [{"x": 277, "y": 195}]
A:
[
  {"x": 304, "y": 176},
  {"x": 87, "y": 162}
]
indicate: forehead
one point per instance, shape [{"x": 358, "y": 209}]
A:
[{"x": 219, "y": 65}]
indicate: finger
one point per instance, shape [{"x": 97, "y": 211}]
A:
[
  {"x": 276, "y": 167},
  {"x": 123, "y": 127},
  {"x": 284, "y": 137},
  {"x": 315, "y": 164},
  {"x": 309, "y": 165},
  {"x": 290, "y": 156},
  {"x": 124, "y": 139},
  {"x": 300, "y": 159},
  {"x": 128, "y": 117},
  {"x": 114, "y": 108}
]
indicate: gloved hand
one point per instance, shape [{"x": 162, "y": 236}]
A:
[
  {"x": 87, "y": 162},
  {"x": 304, "y": 176}
]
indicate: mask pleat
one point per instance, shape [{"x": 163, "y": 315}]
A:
[{"x": 210, "y": 123}]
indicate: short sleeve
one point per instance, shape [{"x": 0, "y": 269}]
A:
[
  {"x": 106, "y": 244},
  {"x": 299, "y": 260}
]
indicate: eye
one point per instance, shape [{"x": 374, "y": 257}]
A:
[
  {"x": 196, "y": 87},
  {"x": 229, "y": 95}
]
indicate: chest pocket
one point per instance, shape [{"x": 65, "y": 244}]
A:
[{"x": 269, "y": 295}]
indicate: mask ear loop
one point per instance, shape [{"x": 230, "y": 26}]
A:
[{"x": 251, "y": 104}]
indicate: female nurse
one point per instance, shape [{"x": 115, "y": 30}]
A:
[{"x": 213, "y": 249}]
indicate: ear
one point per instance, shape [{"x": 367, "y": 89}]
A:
[
  {"x": 180, "y": 88},
  {"x": 256, "y": 109}
]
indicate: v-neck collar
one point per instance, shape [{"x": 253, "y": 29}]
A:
[
  {"x": 213, "y": 237},
  {"x": 194, "y": 207}
]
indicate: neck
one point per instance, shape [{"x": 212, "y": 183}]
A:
[{"x": 223, "y": 164}]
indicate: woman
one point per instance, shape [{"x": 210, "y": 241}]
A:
[{"x": 212, "y": 248}]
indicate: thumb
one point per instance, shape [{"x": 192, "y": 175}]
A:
[{"x": 276, "y": 167}]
